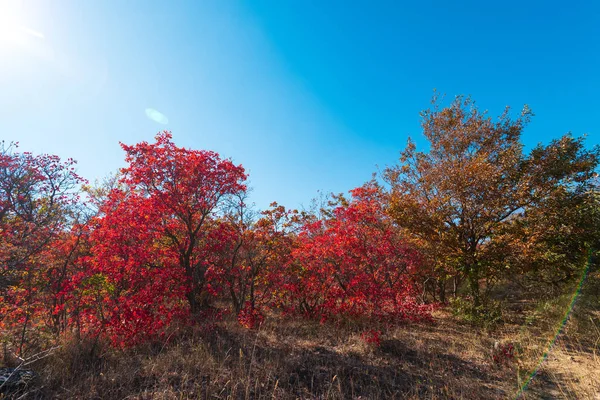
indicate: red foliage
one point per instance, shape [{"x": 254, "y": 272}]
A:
[
  {"x": 356, "y": 264},
  {"x": 249, "y": 317},
  {"x": 153, "y": 250},
  {"x": 37, "y": 205},
  {"x": 173, "y": 234},
  {"x": 134, "y": 286},
  {"x": 371, "y": 337},
  {"x": 504, "y": 353},
  {"x": 249, "y": 256}
]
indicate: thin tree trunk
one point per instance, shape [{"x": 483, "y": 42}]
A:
[
  {"x": 473, "y": 277},
  {"x": 456, "y": 283},
  {"x": 442, "y": 289}
]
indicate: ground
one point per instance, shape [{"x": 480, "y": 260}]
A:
[{"x": 295, "y": 359}]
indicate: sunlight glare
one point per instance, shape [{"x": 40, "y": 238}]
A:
[
  {"x": 156, "y": 116},
  {"x": 12, "y": 29}
]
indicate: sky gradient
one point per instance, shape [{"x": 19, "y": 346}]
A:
[{"x": 308, "y": 96}]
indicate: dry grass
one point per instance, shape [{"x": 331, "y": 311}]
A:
[
  {"x": 571, "y": 369},
  {"x": 293, "y": 359},
  {"x": 284, "y": 359}
]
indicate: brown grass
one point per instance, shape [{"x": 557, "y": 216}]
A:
[
  {"x": 298, "y": 359},
  {"x": 571, "y": 369},
  {"x": 284, "y": 359}
]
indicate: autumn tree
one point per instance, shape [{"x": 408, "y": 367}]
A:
[
  {"x": 562, "y": 232},
  {"x": 233, "y": 231},
  {"x": 461, "y": 198},
  {"x": 250, "y": 250},
  {"x": 187, "y": 186},
  {"x": 355, "y": 263},
  {"x": 38, "y": 199},
  {"x": 266, "y": 254},
  {"x": 66, "y": 262},
  {"x": 151, "y": 243}
]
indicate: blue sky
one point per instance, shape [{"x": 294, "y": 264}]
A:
[{"x": 307, "y": 95}]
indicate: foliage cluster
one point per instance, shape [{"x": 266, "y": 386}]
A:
[{"x": 171, "y": 240}]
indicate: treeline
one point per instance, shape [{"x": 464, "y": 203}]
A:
[{"x": 171, "y": 241}]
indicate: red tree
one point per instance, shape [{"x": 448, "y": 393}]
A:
[
  {"x": 37, "y": 202},
  {"x": 253, "y": 269},
  {"x": 356, "y": 264},
  {"x": 150, "y": 246}
]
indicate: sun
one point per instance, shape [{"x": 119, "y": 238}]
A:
[
  {"x": 12, "y": 29},
  {"x": 10, "y": 15}
]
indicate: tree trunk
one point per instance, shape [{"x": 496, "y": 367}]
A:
[
  {"x": 442, "y": 289},
  {"x": 456, "y": 283},
  {"x": 191, "y": 296},
  {"x": 473, "y": 276}
]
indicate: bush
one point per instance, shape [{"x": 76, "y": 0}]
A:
[{"x": 486, "y": 315}]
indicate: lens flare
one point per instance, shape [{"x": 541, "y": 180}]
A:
[
  {"x": 561, "y": 326},
  {"x": 12, "y": 29},
  {"x": 156, "y": 116}
]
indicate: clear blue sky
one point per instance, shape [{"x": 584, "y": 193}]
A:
[{"x": 307, "y": 95}]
